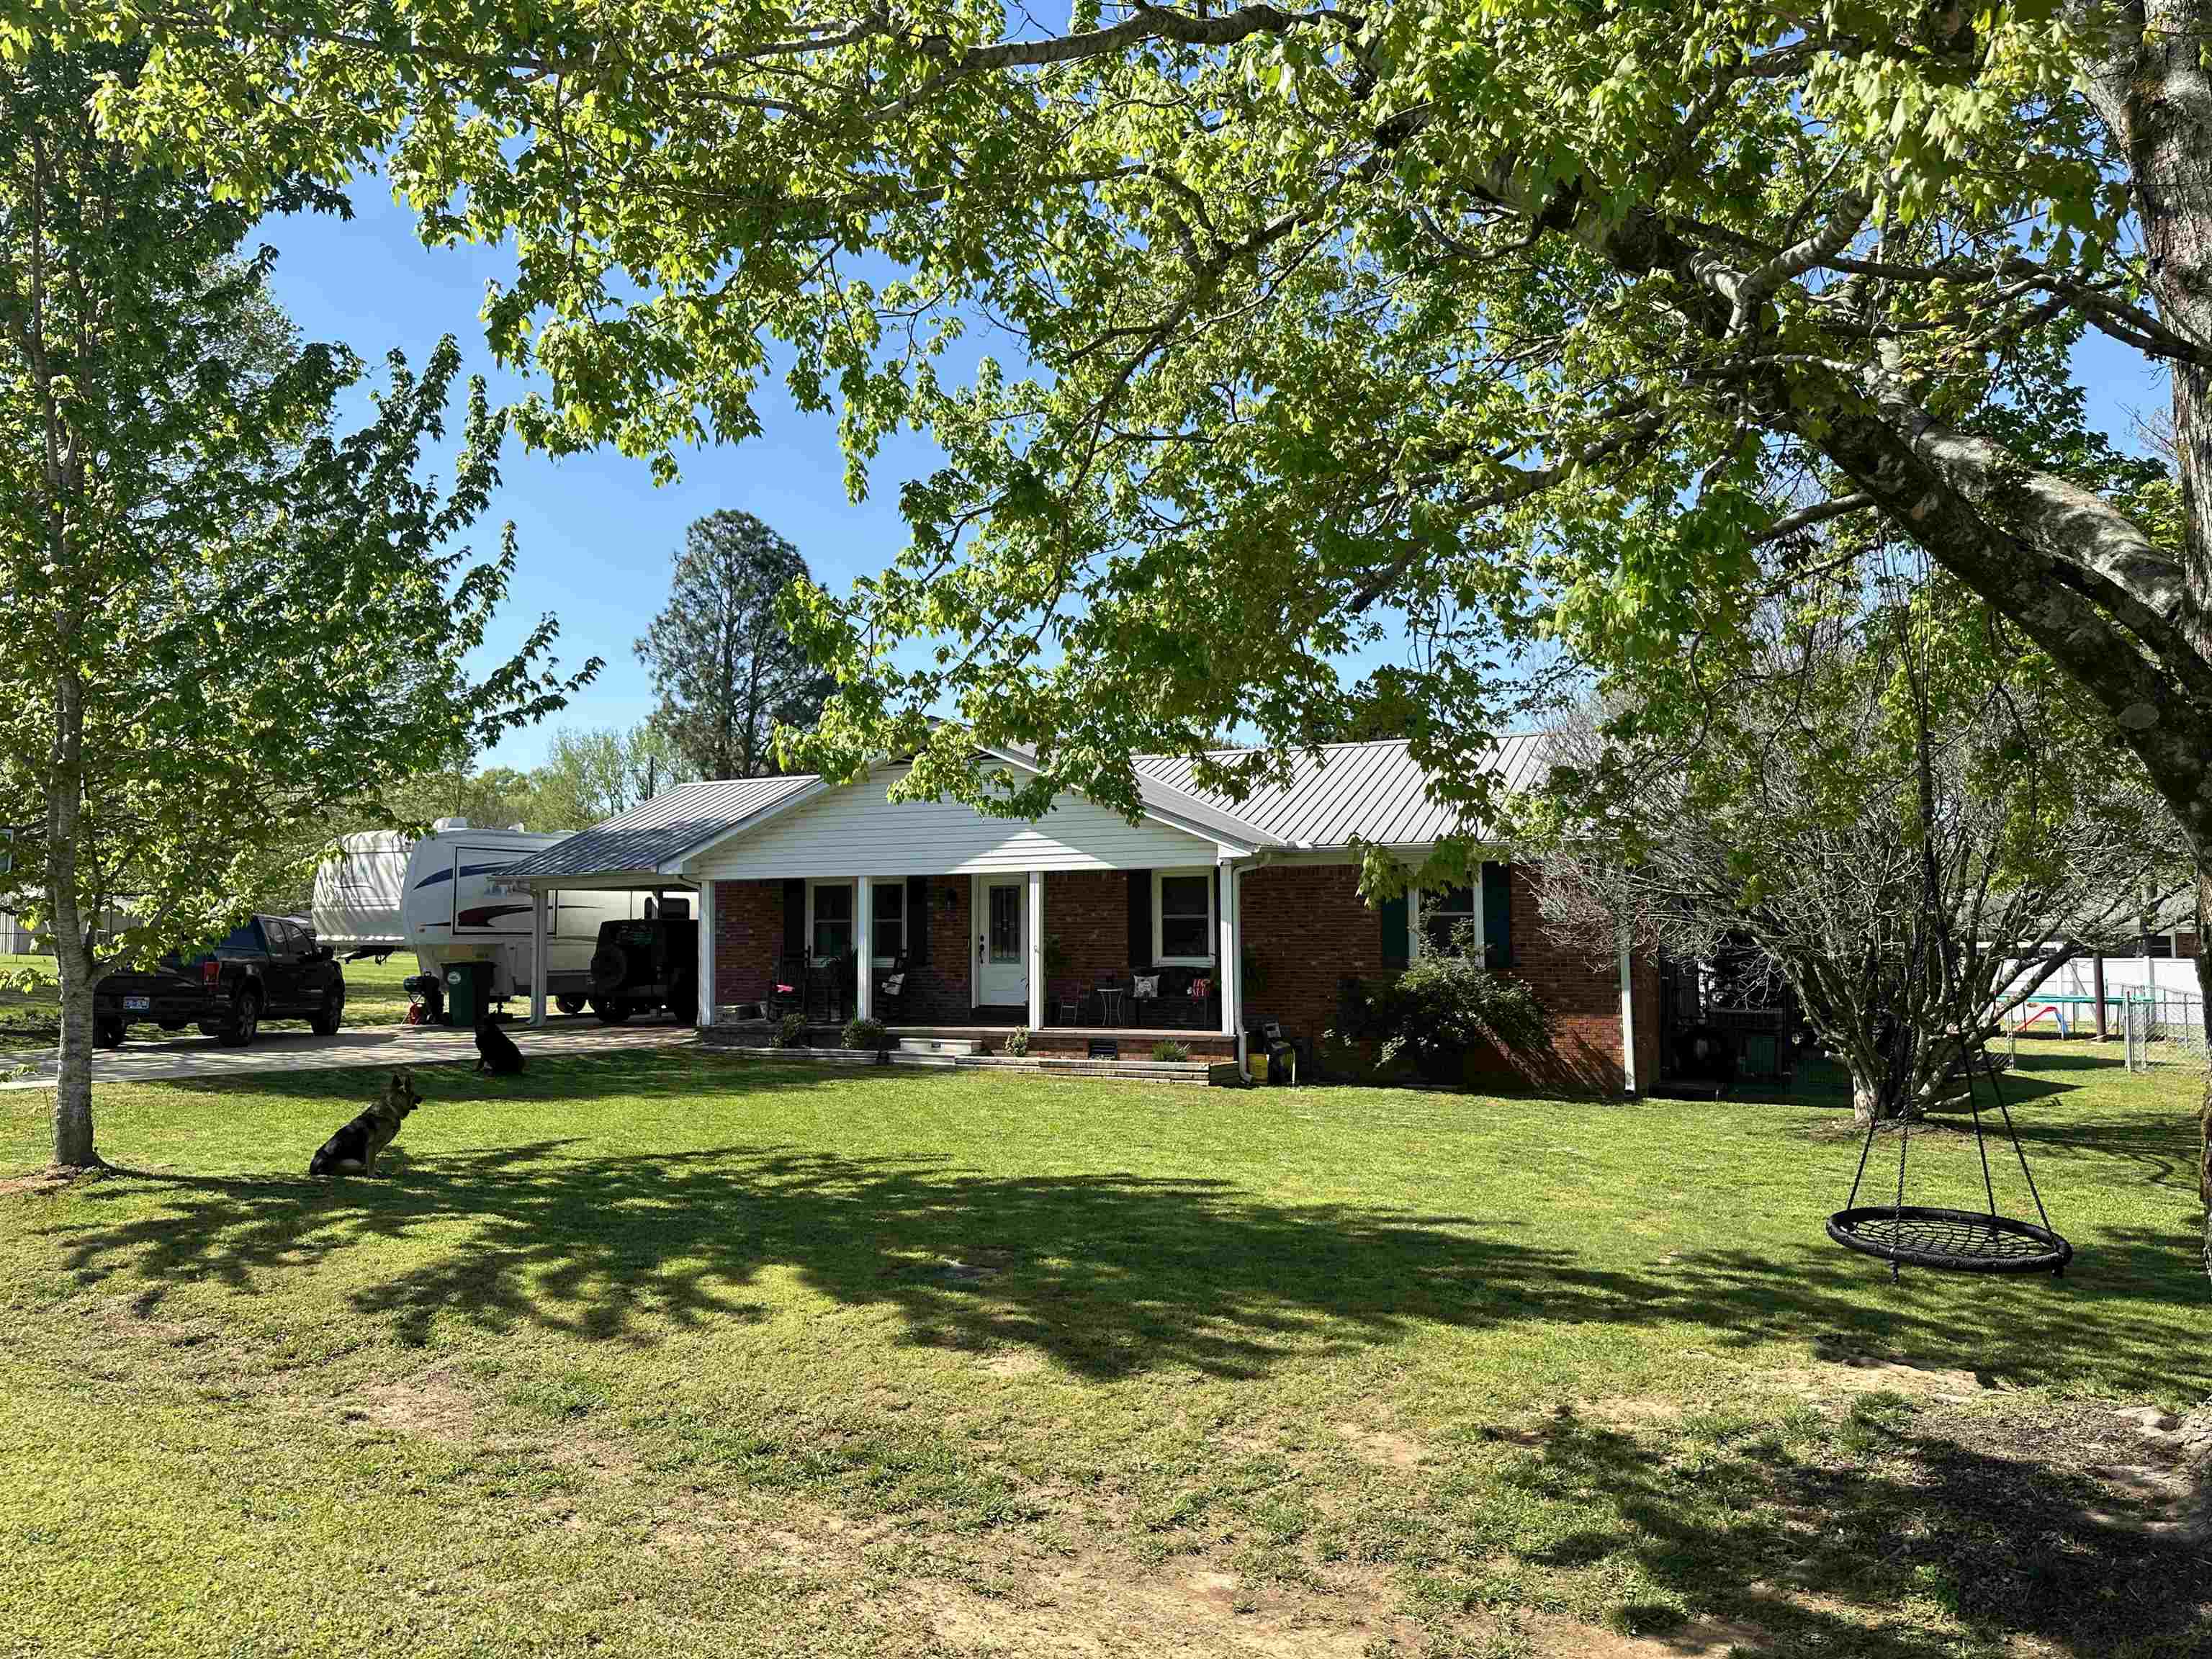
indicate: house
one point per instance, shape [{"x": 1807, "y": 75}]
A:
[{"x": 1083, "y": 925}]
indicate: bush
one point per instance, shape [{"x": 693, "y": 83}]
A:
[
  {"x": 866, "y": 1034},
  {"x": 1445, "y": 1003},
  {"x": 1018, "y": 1041},
  {"x": 791, "y": 1032},
  {"x": 1169, "y": 1048}
]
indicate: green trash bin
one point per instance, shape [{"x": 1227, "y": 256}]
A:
[{"x": 468, "y": 993}]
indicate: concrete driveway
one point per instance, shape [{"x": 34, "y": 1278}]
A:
[{"x": 380, "y": 1046}]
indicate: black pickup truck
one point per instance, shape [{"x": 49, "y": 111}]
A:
[{"x": 269, "y": 969}]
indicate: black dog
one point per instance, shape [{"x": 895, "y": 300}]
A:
[{"x": 495, "y": 1051}]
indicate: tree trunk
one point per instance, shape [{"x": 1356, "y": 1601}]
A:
[
  {"x": 73, "y": 1142},
  {"x": 73, "y": 1147},
  {"x": 1866, "y": 1095}
]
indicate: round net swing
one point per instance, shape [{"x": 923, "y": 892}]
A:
[
  {"x": 1931, "y": 1235},
  {"x": 1952, "y": 1241}
]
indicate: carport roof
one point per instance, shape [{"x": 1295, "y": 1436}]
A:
[{"x": 652, "y": 838}]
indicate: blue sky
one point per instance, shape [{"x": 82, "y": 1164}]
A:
[{"x": 596, "y": 534}]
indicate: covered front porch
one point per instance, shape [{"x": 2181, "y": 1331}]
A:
[{"x": 1124, "y": 958}]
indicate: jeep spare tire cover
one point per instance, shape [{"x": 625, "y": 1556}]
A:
[{"x": 610, "y": 968}]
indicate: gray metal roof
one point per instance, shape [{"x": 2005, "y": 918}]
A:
[
  {"x": 663, "y": 830},
  {"x": 1373, "y": 791}
]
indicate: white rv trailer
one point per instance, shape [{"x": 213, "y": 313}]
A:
[
  {"x": 357, "y": 904},
  {"x": 455, "y": 907}
]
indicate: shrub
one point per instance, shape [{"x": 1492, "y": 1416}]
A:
[
  {"x": 1169, "y": 1048},
  {"x": 866, "y": 1034},
  {"x": 791, "y": 1032},
  {"x": 1446, "y": 1003},
  {"x": 1018, "y": 1041}
]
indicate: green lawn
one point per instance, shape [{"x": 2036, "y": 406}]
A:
[
  {"x": 29, "y": 1020},
  {"x": 679, "y": 1354}
]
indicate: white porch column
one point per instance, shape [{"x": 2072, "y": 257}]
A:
[
  {"x": 864, "y": 947},
  {"x": 1230, "y": 970},
  {"x": 537, "y": 953},
  {"x": 707, "y": 952},
  {"x": 1628, "y": 1080},
  {"x": 1033, "y": 949}
]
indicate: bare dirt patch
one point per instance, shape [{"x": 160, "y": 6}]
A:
[
  {"x": 1841, "y": 1371},
  {"x": 1099, "y": 1604},
  {"x": 1014, "y": 1362},
  {"x": 1382, "y": 1447},
  {"x": 434, "y": 1406},
  {"x": 1552, "y": 1634}
]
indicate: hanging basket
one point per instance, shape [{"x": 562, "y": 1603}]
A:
[{"x": 1950, "y": 1241}]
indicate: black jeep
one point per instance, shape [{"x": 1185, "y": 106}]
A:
[{"x": 643, "y": 966}]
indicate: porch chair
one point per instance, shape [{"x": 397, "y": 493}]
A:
[
  {"x": 890, "y": 990},
  {"x": 787, "y": 986}
]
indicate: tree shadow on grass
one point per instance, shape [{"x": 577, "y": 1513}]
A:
[
  {"x": 1108, "y": 1273},
  {"x": 1929, "y": 1518}
]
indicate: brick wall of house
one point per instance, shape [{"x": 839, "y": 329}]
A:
[
  {"x": 1086, "y": 930},
  {"x": 748, "y": 935},
  {"x": 1307, "y": 930},
  {"x": 937, "y": 990}
]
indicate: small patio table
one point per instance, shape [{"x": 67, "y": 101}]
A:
[{"x": 1109, "y": 1004}]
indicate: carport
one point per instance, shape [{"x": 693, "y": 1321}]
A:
[{"x": 643, "y": 851}]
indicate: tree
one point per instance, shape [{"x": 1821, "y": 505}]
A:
[
  {"x": 590, "y": 776},
  {"x": 725, "y": 665},
  {"x": 1776, "y": 800},
  {"x": 1539, "y": 315},
  {"x": 218, "y": 614}
]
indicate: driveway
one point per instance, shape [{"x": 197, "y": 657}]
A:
[{"x": 380, "y": 1046}]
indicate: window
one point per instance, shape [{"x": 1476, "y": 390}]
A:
[
  {"x": 1182, "y": 918},
  {"x": 1442, "y": 914},
  {"x": 830, "y": 918},
  {"x": 887, "y": 920}
]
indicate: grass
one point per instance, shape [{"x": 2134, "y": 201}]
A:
[
  {"x": 30, "y": 1019},
  {"x": 676, "y": 1353}
]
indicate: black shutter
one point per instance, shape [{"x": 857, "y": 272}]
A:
[
  {"x": 794, "y": 918},
  {"x": 1497, "y": 915},
  {"x": 1394, "y": 955},
  {"x": 917, "y": 920},
  {"x": 1141, "y": 918}
]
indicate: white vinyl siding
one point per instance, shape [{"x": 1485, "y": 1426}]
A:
[{"x": 844, "y": 830}]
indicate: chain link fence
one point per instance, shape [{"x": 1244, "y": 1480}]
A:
[{"x": 2162, "y": 1027}]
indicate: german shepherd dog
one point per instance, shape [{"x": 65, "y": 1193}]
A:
[
  {"x": 495, "y": 1051},
  {"x": 353, "y": 1149}
]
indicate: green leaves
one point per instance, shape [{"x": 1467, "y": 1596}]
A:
[{"x": 225, "y": 614}]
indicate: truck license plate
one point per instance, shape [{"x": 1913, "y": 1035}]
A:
[{"x": 136, "y": 1005}]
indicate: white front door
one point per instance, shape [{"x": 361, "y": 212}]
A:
[{"x": 1001, "y": 977}]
